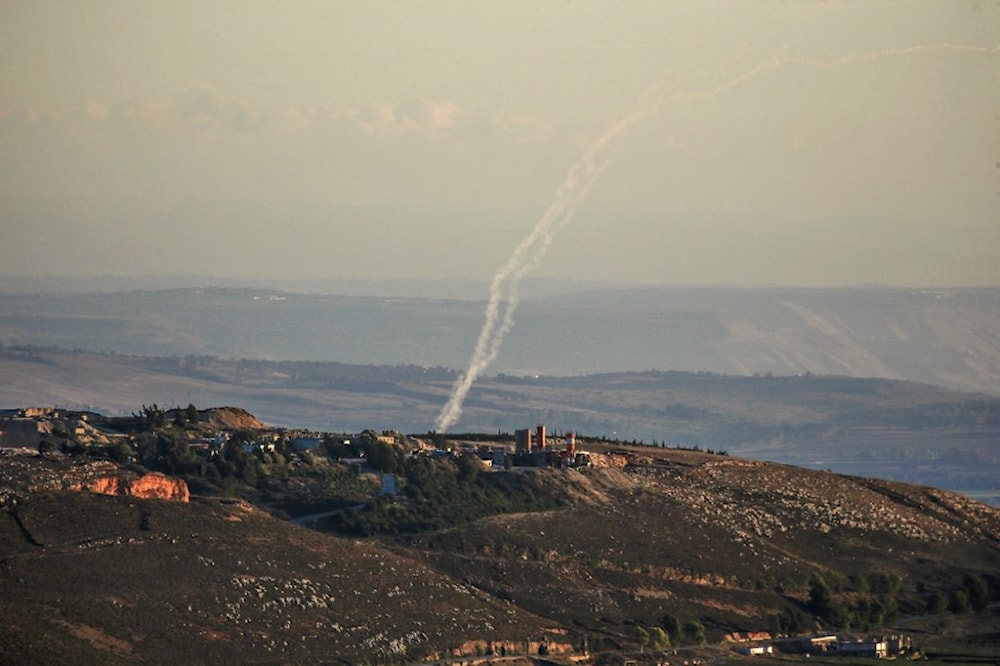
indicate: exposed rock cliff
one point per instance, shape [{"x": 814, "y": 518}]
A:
[
  {"x": 22, "y": 476},
  {"x": 148, "y": 486}
]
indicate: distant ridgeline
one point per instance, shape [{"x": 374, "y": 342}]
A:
[
  {"x": 931, "y": 336},
  {"x": 870, "y": 427}
]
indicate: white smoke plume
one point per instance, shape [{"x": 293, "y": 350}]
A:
[
  {"x": 597, "y": 155},
  {"x": 504, "y": 295}
]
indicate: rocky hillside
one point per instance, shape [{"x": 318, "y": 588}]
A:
[
  {"x": 730, "y": 543},
  {"x": 698, "y": 546},
  {"x": 91, "y": 578},
  {"x": 24, "y": 476}
]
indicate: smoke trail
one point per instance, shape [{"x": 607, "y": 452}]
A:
[
  {"x": 597, "y": 155},
  {"x": 504, "y": 296}
]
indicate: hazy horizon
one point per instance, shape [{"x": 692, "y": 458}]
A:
[
  {"x": 794, "y": 144},
  {"x": 464, "y": 288}
]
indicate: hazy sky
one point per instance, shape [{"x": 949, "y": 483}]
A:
[{"x": 797, "y": 143}]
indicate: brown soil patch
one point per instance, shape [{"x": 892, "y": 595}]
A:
[
  {"x": 98, "y": 639},
  {"x": 233, "y": 418}
]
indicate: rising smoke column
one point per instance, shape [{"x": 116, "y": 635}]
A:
[
  {"x": 504, "y": 289},
  {"x": 597, "y": 155}
]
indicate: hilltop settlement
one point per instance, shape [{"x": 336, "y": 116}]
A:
[{"x": 208, "y": 536}]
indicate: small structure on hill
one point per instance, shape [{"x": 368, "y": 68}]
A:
[
  {"x": 874, "y": 648},
  {"x": 878, "y": 647},
  {"x": 540, "y": 452}
]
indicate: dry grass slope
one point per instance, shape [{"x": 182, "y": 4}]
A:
[
  {"x": 90, "y": 578},
  {"x": 644, "y": 535}
]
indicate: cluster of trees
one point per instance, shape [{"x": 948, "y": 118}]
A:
[
  {"x": 149, "y": 418},
  {"x": 671, "y": 633},
  {"x": 874, "y": 602},
  {"x": 152, "y": 418},
  {"x": 790, "y": 621},
  {"x": 972, "y": 595},
  {"x": 232, "y": 466},
  {"x": 875, "y": 606},
  {"x": 378, "y": 455},
  {"x": 442, "y": 493}
]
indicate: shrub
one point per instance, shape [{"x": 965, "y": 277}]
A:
[
  {"x": 959, "y": 601},
  {"x": 937, "y": 603},
  {"x": 979, "y": 593},
  {"x": 694, "y": 631}
]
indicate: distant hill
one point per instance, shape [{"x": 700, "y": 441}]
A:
[
  {"x": 942, "y": 337},
  {"x": 868, "y": 427}
]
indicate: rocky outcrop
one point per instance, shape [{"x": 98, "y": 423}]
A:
[
  {"x": 229, "y": 418},
  {"x": 159, "y": 486},
  {"x": 148, "y": 486},
  {"x": 23, "y": 475},
  {"x": 500, "y": 647}
]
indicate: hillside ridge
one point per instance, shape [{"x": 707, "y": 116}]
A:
[
  {"x": 864, "y": 426},
  {"x": 704, "y": 543},
  {"x": 935, "y": 336}
]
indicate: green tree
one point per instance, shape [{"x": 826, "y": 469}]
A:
[
  {"x": 694, "y": 631},
  {"x": 229, "y": 486},
  {"x": 251, "y": 470},
  {"x": 959, "y": 601},
  {"x": 821, "y": 603},
  {"x": 641, "y": 635},
  {"x": 119, "y": 452},
  {"x": 383, "y": 457},
  {"x": 979, "y": 593},
  {"x": 232, "y": 451},
  {"x": 885, "y": 583},
  {"x": 672, "y": 626},
  {"x": 937, "y": 602},
  {"x": 890, "y": 608},
  {"x": 151, "y": 417},
  {"x": 658, "y": 638},
  {"x": 468, "y": 467},
  {"x": 876, "y": 614},
  {"x": 857, "y": 582},
  {"x": 173, "y": 455},
  {"x": 859, "y": 616}
]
